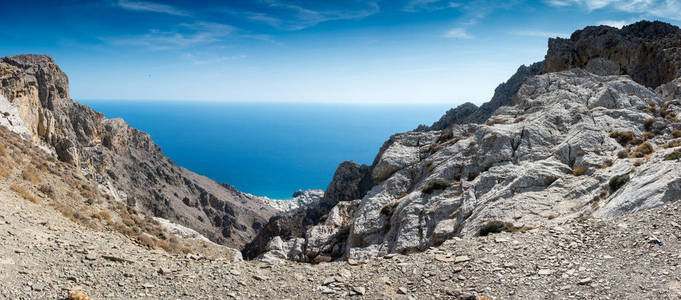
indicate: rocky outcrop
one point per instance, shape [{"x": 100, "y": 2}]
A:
[
  {"x": 649, "y": 52},
  {"x": 126, "y": 163},
  {"x": 585, "y": 139},
  {"x": 351, "y": 181}
]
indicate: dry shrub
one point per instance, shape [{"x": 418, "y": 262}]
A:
[
  {"x": 25, "y": 193},
  {"x": 622, "y": 137},
  {"x": 607, "y": 163},
  {"x": 3, "y": 151},
  {"x": 579, "y": 171},
  {"x": 648, "y": 135},
  {"x": 672, "y": 143},
  {"x": 496, "y": 226},
  {"x": 676, "y": 133},
  {"x": 29, "y": 174},
  {"x": 87, "y": 192},
  {"x": 65, "y": 211},
  {"x": 4, "y": 172},
  {"x": 642, "y": 150},
  {"x": 623, "y": 154},
  {"x": 648, "y": 123},
  {"x": 103, "y": 215}
]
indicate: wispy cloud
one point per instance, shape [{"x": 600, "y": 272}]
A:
[
  {"x": 150, "y": 7},
  {"x": 458, "y": 33},
  {"x": 429, "y": 5},
  {"x": 184, "y": 36},
  {"x": 538, "y": 33},
  {"x": 212, "y": 60},
  {"x": 475, "y": 11},
  {"x": 284, "y": 15},
  {"x": 670, "y": 9}
]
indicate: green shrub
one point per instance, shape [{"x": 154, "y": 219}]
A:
[
  {"x": 618, "y": 181},
  {"x": 676, "y": 155},
  {"x": 436, "y": 184}
]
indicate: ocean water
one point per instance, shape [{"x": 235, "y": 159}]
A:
[{"x": 269, "y": 149}]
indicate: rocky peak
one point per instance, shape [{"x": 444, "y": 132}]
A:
[{"x": 649, "y": 52}]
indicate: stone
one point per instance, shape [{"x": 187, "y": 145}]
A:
[{"x": 403, "y": 290}]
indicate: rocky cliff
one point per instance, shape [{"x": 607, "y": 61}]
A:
[
  {"x": 591, "y": 132},
  {"x": 128, "y": 167}
]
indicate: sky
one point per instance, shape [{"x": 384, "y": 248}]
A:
[{"x": 391, "y": 51}]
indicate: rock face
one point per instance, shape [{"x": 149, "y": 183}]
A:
[
  {"x": 350, "y": 182},
  {"x": 588, "y": 137},
  {"x": 125, "y": 162},
  {"x": 649, "y": 52}
]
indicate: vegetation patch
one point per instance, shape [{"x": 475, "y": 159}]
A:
[
  {"x": 622, "y": 137},
  {"x": 436, "y": 184},
  {"x": 642, "y": 150},
  {"x": 676, "y": 155},
  {"x": 579, "y": 171},
  {"x": 29, "y": 174},
  {"x": 618, "y": 181},
  {"x": 676, "y": 133},
  {"x": 648, "y": 123},
  {"x": 24, "y": 193},
  {"x": 496, "y": 226}
]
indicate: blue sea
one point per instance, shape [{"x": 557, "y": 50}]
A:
[{"x": 269, "y": 149}]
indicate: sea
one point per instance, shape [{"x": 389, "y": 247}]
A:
[{"x": 269, "y": 149}]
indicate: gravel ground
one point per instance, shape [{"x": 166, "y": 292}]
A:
[{"x": 46, "y": 256}]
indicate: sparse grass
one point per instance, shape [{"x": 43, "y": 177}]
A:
[
  {"x": 618, "y": 181},
  {"x": 436, "y": 184},
  {"x": 102, "y": 215},
  {"x": 25, "y": 193},
  {"x": 607, "y": 163},
  {"x": 492, "y": 122},
  {"x": 29, "y": 174},
  {"x": 579, "y": 170}
]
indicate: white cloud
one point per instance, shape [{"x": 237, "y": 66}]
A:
[
  {"x": 186, "y": 35},
  {"x": 538, "y": 33},
  {"x": 613, "y": 23},
  {"x": 429, "y": 5},
  {"x": 150, "y": 7},
  {"x": 670, "y": 9},
  {"x": 458, "y": 33},
  {"x": 212, "y": 60},
  {"x": 285, "y": 15}
]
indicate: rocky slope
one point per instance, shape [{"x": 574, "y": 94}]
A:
[
  {"x": 594, "y": 135},
  {"x": 126, "y": 164},
  {"x": 46, "y": 256}
]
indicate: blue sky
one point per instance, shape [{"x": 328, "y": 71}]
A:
[{"x": 314, "y": 51}]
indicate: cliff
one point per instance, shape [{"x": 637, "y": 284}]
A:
[{"x": 127, "y": 165}]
